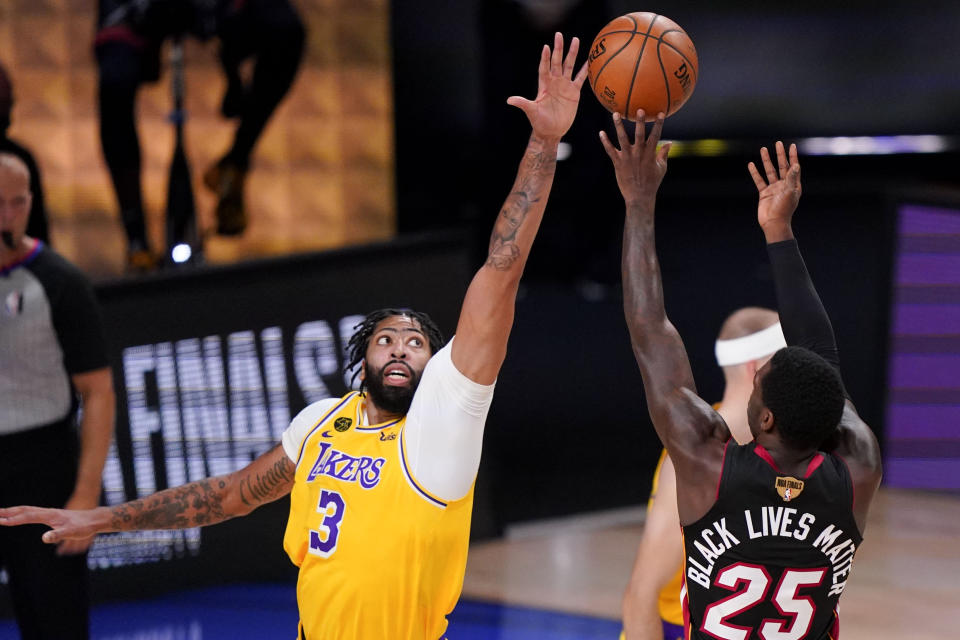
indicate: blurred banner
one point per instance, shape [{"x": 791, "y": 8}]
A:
[
  {"x": 923, "y": 396},
  {"x": 210, "y": 367}
]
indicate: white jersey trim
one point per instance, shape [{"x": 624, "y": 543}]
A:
[{"x": 443, "y": 435}]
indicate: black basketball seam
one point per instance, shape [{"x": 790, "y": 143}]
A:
[
  {"x": 660, "y": 40},
  {"x": 596, "y": 79},
  {"x": 633, "y": 79},
  {"x": 666, "y": 80},
  {"x": 680, "y": 53}
]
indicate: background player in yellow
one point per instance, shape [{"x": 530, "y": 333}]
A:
[
  {"x": 651, "y": 603},
  {"x": 387, "y": 473},
  {"x": 770, "y": 527}
]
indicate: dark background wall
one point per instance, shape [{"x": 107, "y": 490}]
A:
[{"x": 568, "y": 431}]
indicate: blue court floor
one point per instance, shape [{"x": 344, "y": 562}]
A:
[{"x": 268, "y": 611}]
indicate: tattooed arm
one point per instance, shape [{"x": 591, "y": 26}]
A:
[
  {"x": 197, "y": 504},
  {"x": 487, "y": 313},
  {"x": 692, "y": 432}
]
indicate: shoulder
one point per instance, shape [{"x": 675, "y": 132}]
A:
[
  {"x": 304, "y": 422},
  {"x": 857, "y": 444},
  {"x": 441, "y": 377},
  {"x": 53, "y": 269},
  {"x": 315, "y": 411}
]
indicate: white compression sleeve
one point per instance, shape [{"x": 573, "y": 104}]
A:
[{"x": 443, "y": 435}]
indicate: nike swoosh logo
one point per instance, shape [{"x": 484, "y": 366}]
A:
[{"x": 327, "y": 434}]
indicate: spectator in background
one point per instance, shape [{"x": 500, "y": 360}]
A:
[
  {"x": 129, "y": 37},
  {"x": 37, "y": 224},
  {"x": 52, "y": 354}
]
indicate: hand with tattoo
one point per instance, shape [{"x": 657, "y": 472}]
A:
[
  {"x": 558, "y": 92},
  {"x": 196, "y": 504}
]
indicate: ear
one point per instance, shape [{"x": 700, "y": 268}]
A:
[
  {"x": 767, "y": 421},
  {"x": 363, "y": 370}
]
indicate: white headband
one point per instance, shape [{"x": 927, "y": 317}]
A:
[{"x": 751, "y": 347}]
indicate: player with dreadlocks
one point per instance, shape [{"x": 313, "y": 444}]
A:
[{"x": 381, "y": 481}]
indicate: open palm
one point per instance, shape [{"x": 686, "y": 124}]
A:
[
  {"x": 558, "y": 91},
  {"x": 780, "y": 191}
]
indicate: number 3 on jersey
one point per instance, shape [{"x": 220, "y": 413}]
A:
[{"x": 324, "y": 542}]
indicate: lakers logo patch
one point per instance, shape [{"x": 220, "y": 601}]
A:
[
  {"x": 788, "y": 487},
  {"x": 342, "y": 424}
]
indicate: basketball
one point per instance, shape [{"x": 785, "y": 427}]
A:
[{"x": 643, "y": 61}]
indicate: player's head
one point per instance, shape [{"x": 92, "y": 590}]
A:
[
  {"x": 747, "y": 340},
  {"x": 392, "y": 347},
  {"x": 15, "y": 200},
  {"x": 798, "y": 394},
  {"x": 6, "y": 99}
]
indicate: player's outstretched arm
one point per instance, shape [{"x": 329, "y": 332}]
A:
[
  {"x": 197, "y": 504},
  {"x": 805, "y": 321},
  {"x": 488, "y": 308},
  {"x": 802, "y": 314},
  {"x": 684, "y": 422}
]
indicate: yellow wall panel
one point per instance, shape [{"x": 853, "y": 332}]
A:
[{"x": 325, "y": 157}]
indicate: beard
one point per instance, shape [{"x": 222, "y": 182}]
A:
[
  {"x": 7, "y": 237},
  {"x": 390, "y": 398}
]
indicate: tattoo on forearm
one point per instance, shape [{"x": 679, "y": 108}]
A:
[
  {"x": 192, "y": 505},
  {"x": 536, "y": 171},
  {"x": 254, "y": 491}
]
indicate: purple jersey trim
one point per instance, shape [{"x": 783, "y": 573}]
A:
[
  {"x": 27, "y": 259},
  {"x": 409, "y": 476},
  {"x": 380, "y": 428}
]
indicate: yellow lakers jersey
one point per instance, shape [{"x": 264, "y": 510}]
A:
[
  {"x": 668, "y": 602},
  {"x": 379, "y": 556}
]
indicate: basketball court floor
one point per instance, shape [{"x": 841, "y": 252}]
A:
[{"x": 563, "y": 579}]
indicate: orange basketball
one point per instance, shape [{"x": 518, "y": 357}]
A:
[{"x": 643, "y": 61}]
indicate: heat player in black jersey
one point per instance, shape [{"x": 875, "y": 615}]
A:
[{"x": 771, "y": 527}]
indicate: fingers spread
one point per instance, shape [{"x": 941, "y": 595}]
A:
[
  {"x": 654, "y": 138},
  {"x": 14, "y": 516},
  {"x": 571, "y": 58},
  {"x": 622, "y": 138},
  {"x": 664, "y": 151},
  {"x": 607, "y": 145},
  {"x": 556, "y": 62},
  {"x": 581, "y": 75},
  {"x": 794, "y": 156},
  {"x": 768, "y": 166},
  {"x": 782, "y": 164},
  {"x": 544, "y": 69},
  {"x": 757, "y": 178},
  {"x": 793, "y": 177},
  {"x": 519, "y": 102}
]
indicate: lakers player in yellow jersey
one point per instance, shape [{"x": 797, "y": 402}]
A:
[
  {"x": 382, "y": 479},
  {"x": 651, "y": 603}
]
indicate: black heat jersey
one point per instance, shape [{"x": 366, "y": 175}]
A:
[{"x": 771, "y": 557}]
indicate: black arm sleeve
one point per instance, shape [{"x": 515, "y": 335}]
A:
[{"x": 804, "y": 320}]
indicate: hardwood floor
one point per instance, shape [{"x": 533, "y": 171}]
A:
[{"x": 905, "y": 582}]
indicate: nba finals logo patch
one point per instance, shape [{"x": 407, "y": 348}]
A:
[
  {"x": 788, "y": 487},
  {"x": 342, "y": 424}
]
